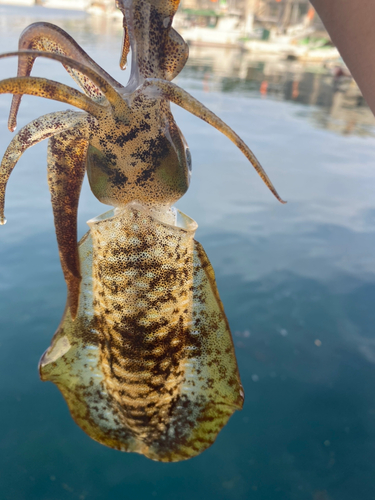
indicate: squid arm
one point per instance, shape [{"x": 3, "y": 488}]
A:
[
  {"x": 155, "y": 87},
  {"x": 176, "y": 45},
  {"x": 67, "y": 154},
  {"x": 41, "y": 87},
  {"x": 113, "y": 97},
  {"x": 47, "y": 37},
  {"x": 126, "y": 40},
  {"x": 36, "y": 131},
  {"x": 66, "y": 160},
  {"x": 175, "y": 49}
]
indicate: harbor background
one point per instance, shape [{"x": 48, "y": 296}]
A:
[{"x": 297, "y": 281}]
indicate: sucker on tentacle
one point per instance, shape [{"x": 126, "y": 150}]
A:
[{"x": 143, "y": 354}]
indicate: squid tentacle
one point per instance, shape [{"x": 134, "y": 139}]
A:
[
  {"x": 176, "y": 44},
  {"x": 43, "y": 36},
  {"x": 66, "y": 160},
  {"x": 157, "y": 49},
  {"x": 41, "y": 87},
  {"x": 111, "y": 94},
  {"x": 154, "y": 87},
  {"x": 126, "y": 40},
  {"x": 36, "y": 131}
]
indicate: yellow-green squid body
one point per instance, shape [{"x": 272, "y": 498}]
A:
[
  {"x": 148, "y": 364},
  {"x": 143, "y": 355}
]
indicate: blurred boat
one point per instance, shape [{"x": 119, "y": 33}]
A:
[
  {"x": 23, "y": 3},
  {"x": 288, "y": 48},
  {"x": 53, "y": 4},
  {"x": 225, "y": 31},
  {"x": 301, "y": 41},
  {"x": 104, "y": 8},
  {"x": 67, "y": 4}
]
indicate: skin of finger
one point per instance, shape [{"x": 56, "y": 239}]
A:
[{"x": 351, "y": 27}]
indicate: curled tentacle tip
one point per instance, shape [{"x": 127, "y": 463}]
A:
[
  {"x": 12, "y": 124},
  {"x": 276, "y": 194},
  {"x": 123, "y": 61},
  {"x": 3, "y": 221}
]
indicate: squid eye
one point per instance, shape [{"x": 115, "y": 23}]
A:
[{"x": 188, "y": 158}]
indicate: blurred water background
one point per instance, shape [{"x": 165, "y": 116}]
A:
[{"x": 297, "y": 282}]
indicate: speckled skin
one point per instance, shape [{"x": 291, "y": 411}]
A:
[
  {"x": 126, "y": 139},
  {"x": 143, "y": 355},
  {"x": 152, "y": 368}
]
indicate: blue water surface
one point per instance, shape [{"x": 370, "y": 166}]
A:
[{"x": 297, "y": 282}]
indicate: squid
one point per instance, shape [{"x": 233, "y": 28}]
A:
[{"x": 143, "y": 355}]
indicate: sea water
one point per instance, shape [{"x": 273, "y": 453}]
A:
[{"x": 297, "y": 282}]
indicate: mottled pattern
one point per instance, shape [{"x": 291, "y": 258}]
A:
[
  {"x": 143, "y": 355},
  {"x": 47, "y": 37},
  {"x": 161, "y": 358}
]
